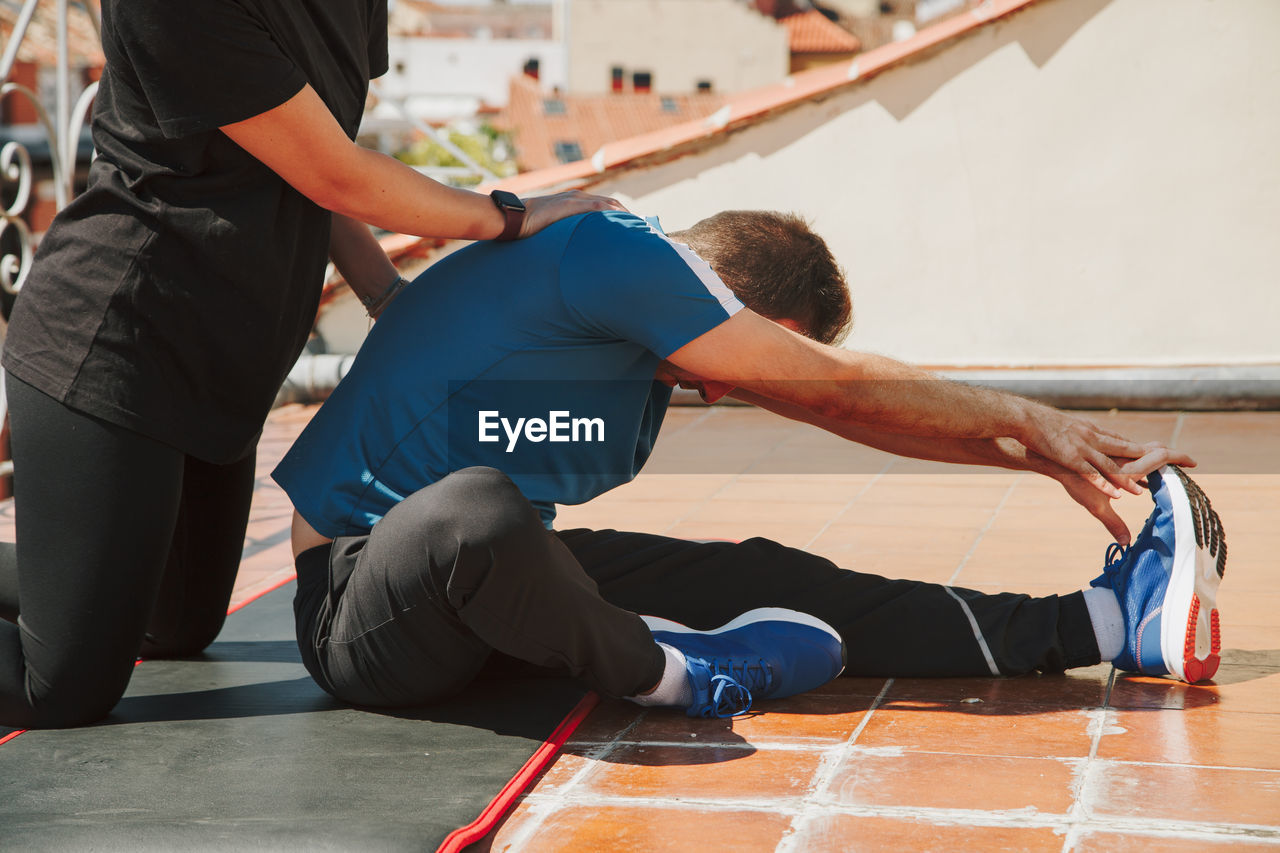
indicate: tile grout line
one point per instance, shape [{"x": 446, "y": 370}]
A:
[
  {"x": 849, "y": 504},
  {"x": 543, "y": 806},
  {"x": 792, "y": 746},
  {"x": 828, "y": 766},
  {"x": 1021, "y": 818},
  {"x": 1078, "y": 816},
  {"x": 696, "y": 422},
  {"x": 964, "y": 561},
  {"x": 753, "y": 746},
  {"x": 734, "y": 479},
  {"x": 1177, "y": 429}
]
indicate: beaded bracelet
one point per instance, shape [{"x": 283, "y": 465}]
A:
[{"x": 374, "y": 304}]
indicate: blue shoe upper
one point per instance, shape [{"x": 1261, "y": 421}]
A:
[
  {"x": 770, "y": 659},
  {"x": 1139, "y": 576},
  {"x": 715, "y": 694}
]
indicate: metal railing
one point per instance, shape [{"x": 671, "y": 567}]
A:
[
  {"x": 63, "y": 131},
  {"x": 445, "y": 174}
]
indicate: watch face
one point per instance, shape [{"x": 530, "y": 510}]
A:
[{"x": 507, "y": 200}]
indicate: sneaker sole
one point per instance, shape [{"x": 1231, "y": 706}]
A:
[
  {"x": 1191, "y": 645},
  {"x": 760, "y": 614}
]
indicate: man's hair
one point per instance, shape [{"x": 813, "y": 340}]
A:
[{"x": 777, "y": 267}]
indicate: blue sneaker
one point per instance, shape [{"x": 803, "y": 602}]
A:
[
  {"x": 1167, "y": 583},
  {"x": 767, "y": 653}
]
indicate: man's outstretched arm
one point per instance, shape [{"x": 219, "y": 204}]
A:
[
  {"x": 862, "y": 389},
  {"x": 996, "y": 452}
]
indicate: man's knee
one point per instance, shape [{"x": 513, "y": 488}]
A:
[
  {"x": 470, "y": 507},
  {"x": 465, "y": 530}
]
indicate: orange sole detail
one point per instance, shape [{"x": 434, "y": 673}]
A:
[{"x": 1193, "y": 668}]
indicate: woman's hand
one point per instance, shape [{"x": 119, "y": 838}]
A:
[{"x": 545, "y": 209}]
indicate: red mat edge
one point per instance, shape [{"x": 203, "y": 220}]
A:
[
  {"x": 506, "y": 798},
  {"x": 241, "y": 605},
  {"x": 264, "y": 592}
]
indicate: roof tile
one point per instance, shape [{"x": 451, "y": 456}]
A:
[
  {"x": 592, "y": 121},
  {"x": 814, "y": 32}
]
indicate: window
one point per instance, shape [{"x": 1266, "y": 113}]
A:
[
  {"x": 568, "y": 152},
  {"x": 532, "y": 67},
  {"x": 704, "y": 86},
  {"x": 616, "y": 78},
  {"x": 642, "y": 81},
  {"x": 552, "y": 106},
  {"x": 669, "y": 105}
]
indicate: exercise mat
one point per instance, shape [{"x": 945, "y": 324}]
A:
[{"x": 239, "y": 749}]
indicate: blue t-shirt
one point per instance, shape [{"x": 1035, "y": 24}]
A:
[{"x": 535, "y": 357}]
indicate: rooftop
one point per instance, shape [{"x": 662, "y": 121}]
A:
[
  {"x": 814, "y": 32},
  {"x": 1088, "y": 761},
  {"x": 550, "y": 128},
  {"x": 1082, "y": 762}
]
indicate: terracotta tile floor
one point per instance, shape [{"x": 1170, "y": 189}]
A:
[{"x": 1088, "y": 761}]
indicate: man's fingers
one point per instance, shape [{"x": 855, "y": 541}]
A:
[
  {"x": 1160, "y": 455},
  {"x": 1115, "y": 445},
  {"x": 1106, "y": 467},
  {"x": 1115, "y": 525},
  {"x": 1083, "y": 492},
  {"x": 1095, "y": 478}
]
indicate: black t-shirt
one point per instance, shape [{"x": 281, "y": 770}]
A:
[{"x": 175, "y": 293}]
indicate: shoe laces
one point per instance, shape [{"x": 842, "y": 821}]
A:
[
  {"x": 1114, "y": 559},
  {"x": 754, "y": 675},
  {"x": 727, "y": 698},
  {"x": 1115, "y": 556}
]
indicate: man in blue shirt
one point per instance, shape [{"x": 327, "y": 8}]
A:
[{"x": 513, "y": 377}]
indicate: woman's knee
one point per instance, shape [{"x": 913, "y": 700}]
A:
[
  {"x": 69, "y": 699},
  {"x": 186, "y": 638}
]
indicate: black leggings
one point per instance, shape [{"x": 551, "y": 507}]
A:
[
  {"x": 409, "y": 613},
  {"x": 126, "y": 546}
]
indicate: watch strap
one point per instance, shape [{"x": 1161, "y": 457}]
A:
[{"x": 513, "y": 212}]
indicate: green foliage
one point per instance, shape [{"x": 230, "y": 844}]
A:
[{"x": 486, "y": 146}]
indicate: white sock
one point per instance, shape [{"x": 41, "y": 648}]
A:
[
  {"x": 673, "y": 688},
  {"x": 1107, "y": 619}
]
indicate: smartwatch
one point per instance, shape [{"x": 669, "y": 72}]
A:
[{"x": 513, "y": 211}]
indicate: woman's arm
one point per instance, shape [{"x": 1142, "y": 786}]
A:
[
  {"x": 302, "y": 143},
  {"x": 362, "y": 262}
]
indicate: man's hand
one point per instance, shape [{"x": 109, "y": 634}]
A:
[
  {"x": 1085, "y": 449},
  {"x": 1086, "y": 493},
  {"x": 545, "y": 209}
]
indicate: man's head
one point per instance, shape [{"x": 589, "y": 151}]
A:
[{"x": 777, "y": 267}]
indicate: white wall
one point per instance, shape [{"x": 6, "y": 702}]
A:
[
  {"x": 679, "y": 41},
  {"x": 466, "y": 70},
  {"x": 1088, "y": 182}
]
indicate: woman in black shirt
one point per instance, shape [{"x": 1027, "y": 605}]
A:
[{"x": 165, "y": 307}]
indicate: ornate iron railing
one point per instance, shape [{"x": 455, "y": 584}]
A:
[
  {"x": 63, "y": 130},
  {"x": 17, "y": 174}
]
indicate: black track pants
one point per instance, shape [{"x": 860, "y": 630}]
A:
[
  {"x": 125, "y": 546},
  {"x": 409, "y": 613}
]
